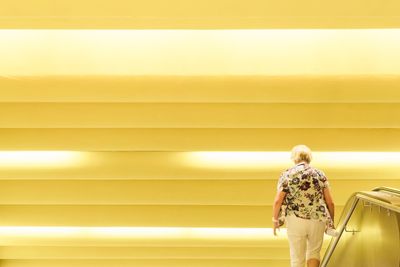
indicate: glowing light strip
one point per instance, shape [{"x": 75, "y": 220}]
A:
[
  {"x": 280, "y": 159},
  {"x": 212, "y": 159},
  {"x": 140, "y": 232},
  {"x": 40, "y": 158},
  {"x": 200, "y": 52}
]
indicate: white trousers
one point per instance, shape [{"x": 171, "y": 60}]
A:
[{"x": 305, "y": 239}]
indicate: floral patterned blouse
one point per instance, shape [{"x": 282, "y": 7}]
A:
[{"x": 304, "y": 187}]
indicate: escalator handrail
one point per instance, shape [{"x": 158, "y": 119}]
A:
[
  {"x": 382, "y": 201},
  {"x": 387, "y": 189},
  {"x": 335, "y": 240}
]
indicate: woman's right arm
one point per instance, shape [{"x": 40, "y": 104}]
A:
[{"x": 329, "y": 202}]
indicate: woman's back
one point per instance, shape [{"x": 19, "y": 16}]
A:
[{"x": 304, "y": 187}]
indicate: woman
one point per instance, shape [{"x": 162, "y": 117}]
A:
[{"x": 309, "y": 208}]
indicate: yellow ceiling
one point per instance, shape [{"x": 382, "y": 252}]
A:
[
  {"x": 204, "y": 52},
  {"x": 170, "y": 165},
  {"x": 199, "y": 14},
  {"x": 199, "y": 115},
  {"x": 199, "y": 139},
  {"x": 201, "y": 89}
]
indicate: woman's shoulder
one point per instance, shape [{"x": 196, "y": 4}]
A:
[
  {"x": 285, "y": 171},
  {"x": 320, "y": 173}
]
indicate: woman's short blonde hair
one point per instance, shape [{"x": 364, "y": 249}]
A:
[{"x": 301, "y": 153}]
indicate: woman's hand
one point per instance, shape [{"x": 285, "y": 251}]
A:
[
  {"x": 280, "y": 196},
  {"x": 276, "y": 226}
]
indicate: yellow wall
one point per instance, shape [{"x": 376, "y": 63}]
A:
[
  {"x": 204, "y": 14},
  {"x": 118, "y": 115}
]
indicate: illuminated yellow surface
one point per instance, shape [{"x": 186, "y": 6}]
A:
[
  {"x": 281, "y": 159},
  {"x": 199, "y": 14},
  {"x": 136, "y": 252},
  {"x": 200, "y": 139},
  {"x": 40, "y": 159},
  {"x": 168, "y": 262},
  {"x": 200, "y": 115},
  {"x": 141, "y": 237},
  {"x": 159, "y": 144},
  {"x": 172, "y": 165},
  {"x": 205, "y": 52},
  {"x": 201, "y": 89},
  {"x": 142, "y": 232}
]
